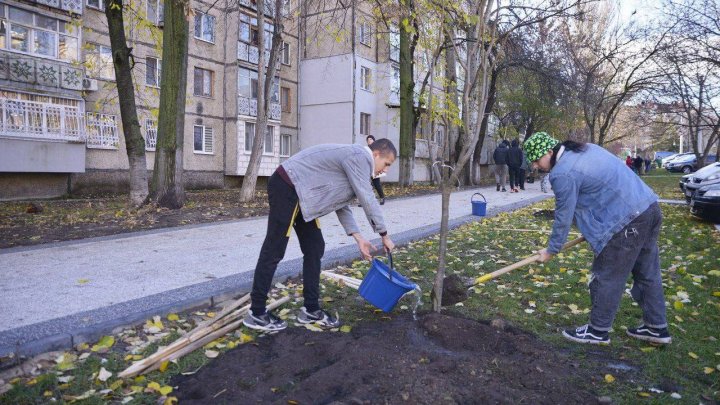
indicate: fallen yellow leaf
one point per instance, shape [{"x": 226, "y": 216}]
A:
[
  {"x": 170, "y": 401},
  {"x": 678, "y": 305},
  {"x": 105, "y": 342},
  {"x": 609, "y": 378},
  {"x": 345, "y": 328},
  {"x": 164, "y": 366},
  {"x": 693, "y": 355},
  {"x": 83, "y": 281},
  {"x": 708, "y": 370},
  {"x": 173, "y": 317},
  {"x": 647, "y": 349},
  {"x": 165, "y": 389},
  {"x": 153, "y": 386}
]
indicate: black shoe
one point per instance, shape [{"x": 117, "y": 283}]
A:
[
  {"x": 265, "y": 322},
  {"x": 649, "y": 334},
  {"x": 382, "y": 201},
  {"x": 586, "y": 334},
  {"x": 319, "y": 318},
  {"x": 498, "y": 187},
  {"x": 522, "y": 188},
  {"x": 503, "y": 189}
]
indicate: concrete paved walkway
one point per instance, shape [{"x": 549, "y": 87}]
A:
[{"x": 60, "y": 294}]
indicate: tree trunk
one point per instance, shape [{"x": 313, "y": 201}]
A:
[
  {"x": 407, "y": 108},
  {"x": 451, "y": 96},
  {"x": 265, "y": 84},
  {"x": 444, "y": 229},
  {"x": 168, "y": 190},
  {"x": 134, "y": 142},
  {"x": 477, "y": 155}
]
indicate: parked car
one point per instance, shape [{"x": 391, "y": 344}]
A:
[
  {"x": 670, "y": 158},
  {"x": 705, "y": 203},
  {"x": 687, "y": 164},
  {"x": 706, "y": 176},
  {"x": 683, "y": 181},
  {"x": 663, "y": 154}
]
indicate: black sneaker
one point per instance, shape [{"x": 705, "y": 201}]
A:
[
  {"x": 382, "y": 201},
  {"x": 586, "y": 334},
  {"x": 649, "y": 334},
  {"x": 265, "y": 322},
  {"x": 319, "y": 318},
  {"x": 503, "y": 189},
  {"x": 498, "y": 187}
]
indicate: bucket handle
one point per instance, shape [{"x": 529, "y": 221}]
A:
[
  {"x": 390, "y": 259},
  {"x": 473, "y": 196}
]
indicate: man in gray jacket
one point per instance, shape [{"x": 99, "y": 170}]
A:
[{"x": 315, "y": 182}]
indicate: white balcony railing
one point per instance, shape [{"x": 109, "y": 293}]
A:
[
  {"x": 248, "y": 106},
  {"x": 102, "y": 131},
  {"x": 36, "y": 120}
]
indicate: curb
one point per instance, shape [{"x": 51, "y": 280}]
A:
[{"x": 65, "y": 332}]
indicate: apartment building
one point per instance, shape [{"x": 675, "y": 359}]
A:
[{"x": 60, "y": 128}]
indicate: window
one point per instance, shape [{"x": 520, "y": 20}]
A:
[
  {"x": 102, "y": 131},
  {"x": 247, "y": 83},
  {"x": 285, "y": 98},
  {"x": 203, "y": 139},
  {"x": 150, "y": 134},
  {"x": 395, "y": 43},
  {"x": 269, "y": 138},
  {"x": 286, "y": 53},
  {"x": 153, "y": 68},
  {"x": 204, "y": 26},
  {"x": 365, "y": 78},
  {"x": 364, "y": 124},
  {"x": 28, "y": 32},
  {"x": 365, "y": 33},
  {"x": 99, "y": 59},
  {"x": 439, "y": 136},
  {"x": 203, "y": 82},
  {"x": 285, "y": 145},
  {"x": 155, "y": 11},
  {"x": 249, "y": 136},
  {"x": 98, "y": 4}
]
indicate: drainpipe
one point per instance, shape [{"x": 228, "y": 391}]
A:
[{"x": 354, "y": 72}]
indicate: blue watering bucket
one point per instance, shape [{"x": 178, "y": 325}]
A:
[
  {"x": 383, "y": 287},
  {"x": 478, "y": 207}
]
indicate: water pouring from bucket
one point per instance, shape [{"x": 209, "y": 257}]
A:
[{"x": 383, "y": 286}]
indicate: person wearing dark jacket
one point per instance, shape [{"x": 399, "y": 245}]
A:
[
  {"x": 514, "y": 161},
  {"x": 638, "y": 164},
  {"x": 501, "y": 168}
]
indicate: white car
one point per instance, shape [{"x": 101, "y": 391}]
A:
[{"x": 672, "y": 157}]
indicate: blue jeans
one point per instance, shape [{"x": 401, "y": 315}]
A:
[{"x": 633, "y": 250}]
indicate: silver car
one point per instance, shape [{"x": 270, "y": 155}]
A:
[{"x": 706, "y": 176}]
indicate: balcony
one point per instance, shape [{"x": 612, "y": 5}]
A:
[
  {"x": 102, "y": 131},
  {"x": 41, "y": 121},
  {"x": 251, "y": 54},
  {"x": 248, "y": 106}
]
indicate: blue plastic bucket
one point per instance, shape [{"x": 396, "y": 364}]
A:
[
  {"x": 478, "y": 207},
  {"x": 383, "y": 287}
]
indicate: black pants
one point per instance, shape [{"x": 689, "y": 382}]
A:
[
  {"x": 284, "y": 213},
  {"x": 521, "y": 182},
  {"x": 378, "y": 187},
  {"x": 514, "y": 176}
]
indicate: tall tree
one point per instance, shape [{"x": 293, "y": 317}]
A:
[
  {"x": 123, "y": 63},
  {"x": 168, "y": 189},
  {"x": 408, "y": 119},
  {"x": 267, "y": 70}
]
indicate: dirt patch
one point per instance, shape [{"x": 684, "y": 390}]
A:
[
  {"x": 27, "y": 223},
  {"x": 439, "y": 358}
]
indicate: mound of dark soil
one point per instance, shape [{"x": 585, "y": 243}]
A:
[{"x": 438, "y": 359}]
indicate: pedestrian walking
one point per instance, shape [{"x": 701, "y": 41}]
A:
[
  {"x": 313, "y": 183},
  {"x": 619, "y": 216},
  {"x": 524, "y": 169},
  {"x": 514, "y": 162},
  {"x": 501, "y": 169}
]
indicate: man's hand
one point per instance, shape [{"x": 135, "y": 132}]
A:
[
  {"x": 365, "y": 247},
  {"x": 388, "y": 243},
  {"x": 545, "y": 256}
]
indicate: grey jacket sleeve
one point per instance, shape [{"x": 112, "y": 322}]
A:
[
  {"x": 356, "y": 170},
  {"x": 566, "y": 196}
]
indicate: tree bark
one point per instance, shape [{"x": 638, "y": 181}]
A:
[
  {"x": 477, "y": 155},
  {"x": 444, "y": 229},
  {"x": 123, "y": 63},
  {"x": 265, "y": 81},
  {"x": 168, "y": 190},
  {"x": 407, "y": 106}
]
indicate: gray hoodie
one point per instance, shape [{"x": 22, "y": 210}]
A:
[{"x": 328, "y": 177}]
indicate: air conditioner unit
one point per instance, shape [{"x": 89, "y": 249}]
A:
[{"x": 90, "y": 84}]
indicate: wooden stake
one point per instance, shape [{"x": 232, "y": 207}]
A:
[
  {"x": 524, "y": 262},
  {"x": 349, "y": 281}
]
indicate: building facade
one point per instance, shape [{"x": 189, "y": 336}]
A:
[{"x": 60, "y": 127}]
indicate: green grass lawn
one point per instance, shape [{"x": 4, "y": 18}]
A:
[
  {"x": 665, "y": 184},
  {"x": 542, "y": 299}
]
